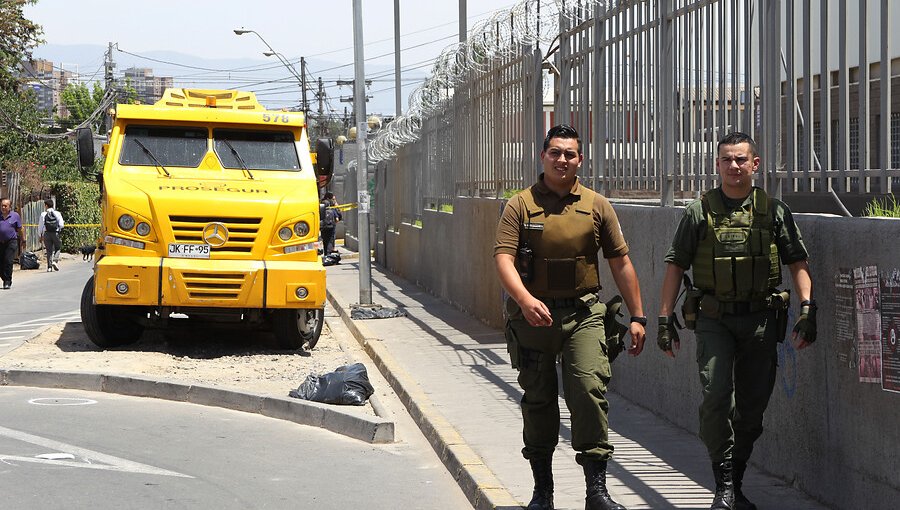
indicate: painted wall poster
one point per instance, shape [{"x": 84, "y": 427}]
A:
[
  {"x": 868, "y": 323},
  {"x": 890, "y": 330},
  {"x": 845, "y": 318}
]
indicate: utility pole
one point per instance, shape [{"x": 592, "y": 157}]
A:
[
  {"x": 398, "y": 109},
  {"x": 320, "y": 95},
  {"x": 462, "y": 21},
  {"x": 362, "y": 160},
  {"x": 305, "y": 105},
  {"x": 109, "y": 81}
]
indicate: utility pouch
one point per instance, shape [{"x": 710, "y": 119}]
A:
[
  {"x": 525, "y": 263},
  {"x": 709, "y": 306},
  {"x": 780, "y": 302},
  {"x": 691, "y": 307},
  {"x": 512, "y": 346},
  {"x": 614, "y": 330},
  {"x": 561, "y": 274},
  {"x": 588, "y": 300}
]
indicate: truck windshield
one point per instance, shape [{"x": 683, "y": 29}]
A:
[
  {"x": 260, "y": 150},
  {"x": 173, "y": 146}
]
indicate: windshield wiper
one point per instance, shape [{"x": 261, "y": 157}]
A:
[
  {"x": 151, "y": 156},
  {"x": 239, "y": 158}
]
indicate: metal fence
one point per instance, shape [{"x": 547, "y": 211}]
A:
[{"x": 652, "y": 85}]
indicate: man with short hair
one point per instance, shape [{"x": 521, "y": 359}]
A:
[
  {"x": 49, "y": 227},
  {"x": 735, "y": 239},
  {"x": 12, "y": 237},
  {"x": 329, "y": 217},
  {"x": 547, "y": 257}
]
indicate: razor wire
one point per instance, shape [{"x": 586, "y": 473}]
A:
[{"x": 503, "y": 35}]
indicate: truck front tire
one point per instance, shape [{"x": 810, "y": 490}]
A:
[
  {"x": 296, "y": 329},
  {"x": 106, "y": 325}
]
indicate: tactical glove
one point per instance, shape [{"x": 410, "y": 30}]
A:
[
  {"x": 805, "y": 328},
  {"x": 667, "y": 335}
]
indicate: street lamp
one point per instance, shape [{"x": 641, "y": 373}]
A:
[{"x": 301, "y": 79}]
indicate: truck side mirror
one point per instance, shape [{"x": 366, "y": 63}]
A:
[
  {"x": 324, "y": 160},
  {"x": 84, "y": 141}
]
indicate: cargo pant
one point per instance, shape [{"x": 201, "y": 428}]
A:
[
  {"x": 737, "y": 360},
  {"x": 576, "y": 335},
  {"x": 52, "y": 247}
]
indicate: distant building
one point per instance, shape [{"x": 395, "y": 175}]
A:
[
  {"x": 48, "y": 81},
  {"x": 149, "y": 88}
]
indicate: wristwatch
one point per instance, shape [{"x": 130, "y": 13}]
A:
[{"x": 642, "y": 320}]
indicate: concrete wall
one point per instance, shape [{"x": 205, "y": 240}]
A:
[{"x": 834, "y": 437}]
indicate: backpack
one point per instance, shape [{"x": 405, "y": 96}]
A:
[
  {"x": 329, "y": 219},
  {"x": 51, "y": 222}
]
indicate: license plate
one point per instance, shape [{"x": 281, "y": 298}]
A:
[{"x": 189, "y": 251}]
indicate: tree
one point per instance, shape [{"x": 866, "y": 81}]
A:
[
  {"x": 21, "y": 148},
  {"x": 81, "y": 103},
  {"x": 18, "y": 36}
]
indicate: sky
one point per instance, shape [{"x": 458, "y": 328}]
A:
[{"x": 320, "y": 31}]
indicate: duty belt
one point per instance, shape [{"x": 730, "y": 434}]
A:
[
  {"x": 587, "y": 300},
  {"x": 742, "y": 307}
]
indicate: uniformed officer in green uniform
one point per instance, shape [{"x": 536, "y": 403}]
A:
[
  {"x": 736, "y": 238},
  {"x": 548, "y": 241}
]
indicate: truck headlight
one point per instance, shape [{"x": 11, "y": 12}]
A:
[
  {"x": 143, "y": 229},
  {"x": 301, "y": 228},
  {"x": 126, "y": 222},
  {"x": 285, "y": 233}
]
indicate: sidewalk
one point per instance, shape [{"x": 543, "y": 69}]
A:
[{"x": 453, "y": 374}]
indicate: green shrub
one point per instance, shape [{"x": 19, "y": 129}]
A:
[
  {"x": 507, "y": 194},
  {"x": 888, "y": 208},
  {"x": 79, "y": 204}
]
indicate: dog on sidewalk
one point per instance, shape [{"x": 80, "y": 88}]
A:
[{"x": 87, "y": 251}]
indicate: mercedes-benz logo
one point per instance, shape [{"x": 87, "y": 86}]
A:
[{"x": 215, "y": 234}]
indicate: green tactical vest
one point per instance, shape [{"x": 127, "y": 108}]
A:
[
  {"x": 737, "y": 260},
  {"x": 565, "y": 249}
]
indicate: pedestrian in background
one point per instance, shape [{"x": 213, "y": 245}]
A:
[
  {"x": 735, "y": 238},
  {"x": 330, "y": 216},
  {"x": 547, "y": 258},
  {"x": 12, "y": 238},
  {"x": 49, "y": 227}
]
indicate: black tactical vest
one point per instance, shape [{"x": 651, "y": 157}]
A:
[
  {"x": 564, "y": 245},
  {"x": 737, "y": 260}
]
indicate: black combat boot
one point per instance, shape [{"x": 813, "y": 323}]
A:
[
  {"x": 542, "y": 498},
  {"x": 598, "y": 497},
  {"x": 724, "y": 498},
  {"x": 740, "y": 501}
]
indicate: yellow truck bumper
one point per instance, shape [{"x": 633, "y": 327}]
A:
[{"x": 208, "y": 283}]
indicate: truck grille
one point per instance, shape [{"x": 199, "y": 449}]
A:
[
  {"x": 213, "y": 285},
  {"x": 241, "y": 232}
]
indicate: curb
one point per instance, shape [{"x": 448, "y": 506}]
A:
[
  {"x": 357, "y": 425},
  {"x": 479, "y": 484}
]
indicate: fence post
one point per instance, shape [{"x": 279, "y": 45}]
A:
[
  {"x": 535, "y": 140},
  {"x": 770, "y": 69},
  {"x": 665, "y": 87}
]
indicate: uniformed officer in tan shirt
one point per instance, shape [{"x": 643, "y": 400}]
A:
[{"x": 547, "y": 256}]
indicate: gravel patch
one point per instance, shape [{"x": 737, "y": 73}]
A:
[{"x": 225, "y": 359}]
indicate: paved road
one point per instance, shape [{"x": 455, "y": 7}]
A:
[
  {"x": 74, "y": 449},
  {"x": 38, "y": 298}
]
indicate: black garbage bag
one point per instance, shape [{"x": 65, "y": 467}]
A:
[
  {"x": 28, "y": 260},
  {"x": 347, "y": 385},
  {"x": 331, "y": 259}
]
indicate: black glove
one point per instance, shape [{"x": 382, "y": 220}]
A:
[
  {"x": 667, "y": 335},
  {"x": 805, "y": 328}
]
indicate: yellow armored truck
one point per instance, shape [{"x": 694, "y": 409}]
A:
[{"x": 210, "y": 215}]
